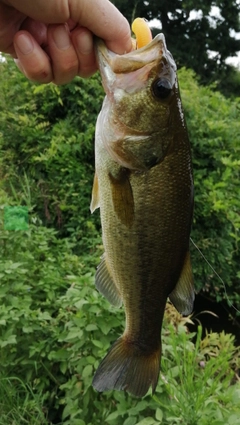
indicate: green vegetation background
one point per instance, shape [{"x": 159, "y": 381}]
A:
[{"x": 54, "y": 326}]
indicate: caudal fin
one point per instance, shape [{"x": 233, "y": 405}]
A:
[{"x": 126, "y": 368}]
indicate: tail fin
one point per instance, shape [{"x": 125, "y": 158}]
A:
[{"x": 125, "y": 367}]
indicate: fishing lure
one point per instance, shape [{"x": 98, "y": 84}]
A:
[{"x": 142, "y": 32}]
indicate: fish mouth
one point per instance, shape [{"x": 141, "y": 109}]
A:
[
  {"x": 137, "y": 64},
  {"x": 154, "y": 51}
]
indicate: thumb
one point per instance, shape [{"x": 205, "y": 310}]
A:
[{"x": 99, "y": 16}]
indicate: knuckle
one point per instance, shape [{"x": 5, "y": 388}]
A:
[
  {"x": 70, "y": 66},
  {"x": 39, "y": 75},
  {"x": 86, "y": 72},
  {"x": 65, "y": 71}
]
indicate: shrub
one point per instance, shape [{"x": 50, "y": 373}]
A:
[{"x": 55, "y": 327}]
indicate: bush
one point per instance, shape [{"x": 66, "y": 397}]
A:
[
  {"x": 55, "y": 327},
  {"x": 213, "y": 126},
  {"x": 18, "y": 404},
  {"x": 47, "y": 137}
]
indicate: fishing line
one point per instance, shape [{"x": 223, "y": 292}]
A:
[{"x": 216, "y": 274}]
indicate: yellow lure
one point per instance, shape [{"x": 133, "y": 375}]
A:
[{"x": 142, "y": 32}]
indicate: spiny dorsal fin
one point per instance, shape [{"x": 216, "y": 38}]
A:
[
  {"x": 95, "y": 202},
  {"x": 183, "y": 294},
  {"x": 105, "y": 284}
]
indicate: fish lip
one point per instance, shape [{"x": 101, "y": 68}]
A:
[{"x": 154, "y": 51}]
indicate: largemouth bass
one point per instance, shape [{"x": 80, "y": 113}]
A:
[{"x": 144, "y": 188}]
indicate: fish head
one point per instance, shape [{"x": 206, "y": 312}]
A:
[{"x": 142, "y": 101}]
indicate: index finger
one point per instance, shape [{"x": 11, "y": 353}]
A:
[
  {"x": 104, "y": 20},
  {"x": 99, "y": 16}
]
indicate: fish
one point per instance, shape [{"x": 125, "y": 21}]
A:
[{"x": 143, "y": 186}]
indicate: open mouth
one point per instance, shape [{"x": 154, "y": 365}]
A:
[{"x": 136, "y": 59}]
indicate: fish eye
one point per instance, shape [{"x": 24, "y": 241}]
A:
[{"x": 161, "y": 88}]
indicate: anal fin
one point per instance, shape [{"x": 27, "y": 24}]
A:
[
  {"x": 105, "y": 284},
  {"x": 183, "y": 294}
]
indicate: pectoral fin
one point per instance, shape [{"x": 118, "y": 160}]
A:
[
  {"x": 95, "y": 202},
  {"x": 183, "y": 294},
  {"x": 122, "y": 197},
  {"x": 105, "y": 284}
]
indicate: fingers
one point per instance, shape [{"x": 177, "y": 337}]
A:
[
  {"x": 71, "y": 55},
  {"x": 48, "y": 11},
  {"x": 65, "y": 64},
  {"x": 32, "y": 60},
  {"x": 59, "y": 52},
  {"x": 101, "y": 17},
  {"x": 10, "y": 21},
  {"x": 82, "y": 40}
]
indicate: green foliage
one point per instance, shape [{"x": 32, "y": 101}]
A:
[
  {"x": 54, "y": 325},
  {"x": 46, "y": 146},
  {"x": 213, "y": 124},
  {"x": 47, "y": 134},
  {"x": 18, "y": 404},
  {"x": 199, "y": 390}
]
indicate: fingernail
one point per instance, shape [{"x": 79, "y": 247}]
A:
[
  {"x": 84, "y": 42},
  {"x": 25, "y": 44},
  {"x": 61, "y": 37}
]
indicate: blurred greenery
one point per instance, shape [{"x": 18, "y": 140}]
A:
[
  {"x": 54, "y": 325},
  {"x": 213, "y": 124}
]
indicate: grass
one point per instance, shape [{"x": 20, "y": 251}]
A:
[
  {"x": 19, "y": 405},
  {"x": 198, "y": 380}
]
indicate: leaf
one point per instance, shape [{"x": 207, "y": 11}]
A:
[
  {"x": 27, "y": 329},
  {"x": 130, "y": 421},
  {"x": 14, "y": 266},
  {"x": 12, "y": 339},
  {"x": 112, "y": 416},
  {"x": 91, "y": 327},
  {"x": 147, "y": 421},
  {"x": 105, "y": 327},
  {"x": 90, "y": 359},
  {"x": 45, "y": 315},
  {"x": 63, "y": 367},
  {"x": 234, "y": 419},
  {"x": 159, "y": 415},
  {"x": 74, "y": 334},
  {"x": 97, "y": 343},
  {"x": 87, "y": 371}
]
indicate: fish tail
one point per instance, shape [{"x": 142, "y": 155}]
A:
[{"x": 127, "y": 367}]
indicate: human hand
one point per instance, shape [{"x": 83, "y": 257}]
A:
[{"x": 52, "y": 40}]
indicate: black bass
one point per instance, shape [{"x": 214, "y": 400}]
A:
[{"x": 144, "y": 188}]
